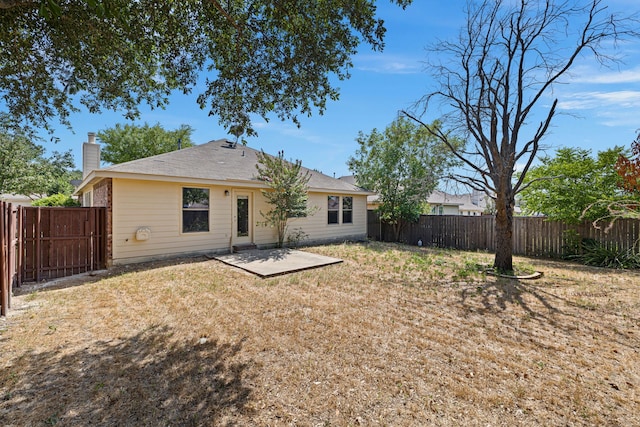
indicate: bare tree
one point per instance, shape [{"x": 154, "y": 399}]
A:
[{"x": 493, "y": 77}]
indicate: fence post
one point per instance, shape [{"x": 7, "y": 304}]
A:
[{"x": 4, "y": 265}]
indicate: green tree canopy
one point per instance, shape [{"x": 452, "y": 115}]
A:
[
  {"x": 129, "y": 142},
  {"x": 564, "y": 185},
  {"x": 403, "y": 165},
  {"x": 25, "y": 170},
  {"x": 258, "y": 56},
  {"x": 628, "y": 168},
  {"x": 288, "y": 191},
  {"x": 57, "y": 200}
]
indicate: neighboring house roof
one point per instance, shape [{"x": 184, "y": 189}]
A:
[
  {"x": 19, "y": 199},
  {"x": 462, "y": 201},
  {"x": 441, "y": 198},
  {"x": 470, "y": 207},
  {"x": 214, "y": 162},
  {"x": 372, "y": 198},
  {"x": 348, "y": 178}
]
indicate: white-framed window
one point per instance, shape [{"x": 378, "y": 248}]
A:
[
  {"x": 333, "y": 209},
  {"x": 195, "y": 210},
  {"x": 347, "y": 210}
]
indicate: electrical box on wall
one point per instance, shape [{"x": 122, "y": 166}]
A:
[{"x": 143, "y": 233}]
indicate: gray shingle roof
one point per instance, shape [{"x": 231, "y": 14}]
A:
[{"x": 216, "y": 161}]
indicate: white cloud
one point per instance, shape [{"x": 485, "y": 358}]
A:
[
  {"x": 618, "y": 119},
  {"x": 388, "y": 64},
  {"x": 589, "y": 100},
  {"x": 610, "y": 77},
  {"x": 289, "y": 132},
  {"x": 260, "y": 125}
]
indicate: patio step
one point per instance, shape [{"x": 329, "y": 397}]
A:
[{"x": 243, "y": 247}]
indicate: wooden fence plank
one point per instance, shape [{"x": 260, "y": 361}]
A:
[
  {"x": 7, "y": 254},
  {"x": 59, "y": 242},
  {"x": 4, "y": 267}
]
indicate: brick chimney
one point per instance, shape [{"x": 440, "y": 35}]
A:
[{"x": 90, "y": 155}]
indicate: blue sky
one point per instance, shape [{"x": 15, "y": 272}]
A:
[{"x": 598, "y": 107}]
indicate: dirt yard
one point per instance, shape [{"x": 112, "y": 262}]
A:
[{"x": 393, "y": 336}]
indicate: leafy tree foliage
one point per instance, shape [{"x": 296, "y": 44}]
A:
[
  {"x": 130, "y": 142},
  {"x": 628, "y": 168},
  {"x": 493, "y": 77},
  {"x": 403, "y": 165},
  {"x": 287, "y": 192},
  {"x": 25, "y": 170},
  {"x": 57, "y": 200},
  {"x": 563, "y": 186},
  {"x": 61, "y": 182},
  {"x": 258, "y": 56}
]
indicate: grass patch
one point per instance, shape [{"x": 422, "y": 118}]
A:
[{"x": 394, "y": 335}]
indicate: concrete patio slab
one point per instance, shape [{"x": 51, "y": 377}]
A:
[{"x": 274, "y": 262}]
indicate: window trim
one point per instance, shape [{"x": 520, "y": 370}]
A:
[
  {"x": 335, "y": 210},
  {"x": 339, "y": 211},
  {"x": 200, "y": 209},
  {"x": 347, "y": 210}
]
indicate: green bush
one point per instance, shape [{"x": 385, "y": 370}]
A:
[
  {"x": 295, "y": 237},
  {"x": 596, "y": 254},
  {"x": 572, "y": 243},
  {"x": 57, "y": 200}
]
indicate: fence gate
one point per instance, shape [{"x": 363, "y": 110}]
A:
[{"x": 59, "y": 242}]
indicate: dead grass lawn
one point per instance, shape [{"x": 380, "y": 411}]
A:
[{"x": 394, "y": 336}]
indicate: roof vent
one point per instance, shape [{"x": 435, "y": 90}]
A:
[{"x": 231, "y": 144}]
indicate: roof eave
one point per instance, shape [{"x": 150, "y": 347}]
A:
[{"x": 97, "y": 175}]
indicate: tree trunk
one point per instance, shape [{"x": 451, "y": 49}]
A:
[
  {"x": 282, "y": 229},
  {"x": 397, "y": 228},
  {"x": 504, "y": 231}
]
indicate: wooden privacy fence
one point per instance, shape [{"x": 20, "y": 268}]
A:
[
  {"x": 59, "y": 242},
  {"x": 532, "y": 236},
  {"x": 42, "y": 243},
  {"x": 8, "y": 243}
]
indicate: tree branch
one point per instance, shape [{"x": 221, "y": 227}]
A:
[
  {"x": 11, "y": 4},
  {"x": 228, "y": 17}
]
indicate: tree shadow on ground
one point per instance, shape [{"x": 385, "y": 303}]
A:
[
  {"x": 557, "y": 311},
  {"x": 497, "y": 295},
  {"x": 147, "y": 379}
]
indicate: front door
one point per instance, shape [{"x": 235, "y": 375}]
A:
[{"x": 242, "y": 231}]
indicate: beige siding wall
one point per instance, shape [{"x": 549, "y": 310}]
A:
[
  {"x": 263, "y": 234},
  {"x": 316, "y": 225},
  {"x": 318, "y": 228},
  {"x": 446, "y": 210},
  {"x": 158, "y": 207},
  {"x": 451, "y": 210}
]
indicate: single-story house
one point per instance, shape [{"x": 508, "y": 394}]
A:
[
  {"x": 19, "y": 199},
  {"x": 205, "y": 199},
  {"x": 442, "y": 203}
]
